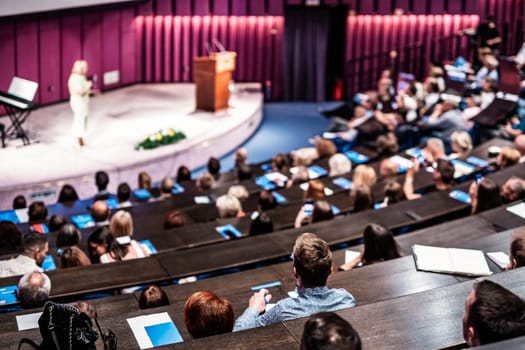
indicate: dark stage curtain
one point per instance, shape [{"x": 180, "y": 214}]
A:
[{"x": 306, "y": 32}]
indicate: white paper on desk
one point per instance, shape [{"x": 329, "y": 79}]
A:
[
  {"x": 28, "y": 321},
  {"x": 351, "y": 255},
  {"x": 518, "y": 209},
  {"x": 468, "y": 262},
  {"x": 139, "y": 325},
  {"x": 501, "y": 259}
]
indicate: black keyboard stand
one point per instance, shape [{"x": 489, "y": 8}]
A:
[{"x": 17, "y": 117}]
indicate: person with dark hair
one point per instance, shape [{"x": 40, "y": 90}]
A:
[
  {"x": 492, "y": 314},
  {"x": 361, "y": 198},
  {"x": 35, "y": 251},
  {"x": 312, "y": 264},
  {"x": 266, "y": 201},
  {"x": 33, "y": 289},
  {"x": 205, "y": 182},
  {"x": 328, "y": 331},
  {"x": 37, "y": 211},
  {"x": 443, "y": 176},
  {"x": 166, "y": 186},
  {"x": 174, "y": 219},
  {"x": 183, "y": 174},
  {"x": 98, "y": 244},
  {"x": 144, "y": 181},
  {"x": 68, "y": 236},
  {"x": 100, "y": 213},
  {"x": 123, "y": 195},
  {"x": 379, "y": 245},
  {"x": 206, "y": 314},
  {"x": 244, "y": 172},
  {"x": 280, "y": 163},
  {"x": 261, "y": 223},
  {"x": 55, "y": 222},
  {"x": 321, "y": 211},
  {"x": 393, "y": 193},
  {"x": 19, "y": 202},
  {"x": 214, "y": 167},
  {"x": 517, "y": 250},
  {"x": 484, "y": 196},
  {"x": 10, "y": 238},
  {"x": 513, "y": 189},
  {"x": 102, "y": 181},
  {"x": 73, "y": 257},
  {"x": 67, "y": 195},
  {"x": 153, "y": 296}
]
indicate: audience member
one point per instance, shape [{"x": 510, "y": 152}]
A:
[
  {"x": 261, "y": 223},
  {"x": 461, "y": 144},
  {"x": 328, "y": 331},
  {"x": 325, "y": 148},
  {"x": 206, "y": 314},
  {"x": 37, "y": 212},
  {"x": 67, "y": 236},
  {"x": 35, "y": 251},
  {"x": 19, "y": 202},
  {"x": 387, "y": 145},
  {"x": 73, "y": 257},
  {"x": 484, "y": 196},
  {"x": 361, "y": 198},
  {"x": 513, "y": 189},
  {"x": 364, "y": 175},
  {"x": 100, "y": 213},
  {"x": 492, "y": 314},
  {"x": 56, "y": 222},
  {"x": 508, "y": 157},
  {"x": 244, "y": 172},
  {"x": 315, "y": 190},
  {"x": 123, "y": 195},
  {"x": 174, "y": 219},
  {"x": 228, "y": 206},
  {"x": 102, "y": 181},
  {"x": 378, "y": 245},
  {"x": 321, "y": 211},
  {"x": 205, "y": 182},
  {"x": 472, "y": 109},
  {"x": 67, "y": 194},
  {"x": 214, "y": 167},
  {"x": 10, "y": 238},
  {"x": 388, "y": 169},
  {"x": 339, "y": 165},
  {"x": 443, "y": 176},
  {"x": 241, "y": 157},
  {"x": 166, "y": 186},
  {"x": 266, "y": 201},
  {"x": 144, "y": 181},
  {"x": 519, "y": 144},
  {"x": 33, "y": 289},
  {"x": 280, "y": 163},
  {"x": 183, "y": 174},
  {"x": 393, "y": 193},
  {"x": 152, "y": 296},
  {"x": 517, "y": 250},
  {"x": 123, "y": 247},
  {"x": 98, "y": 244},
  {"x": 434, "y": 149},
  {"x": 239, "y": 191},
  {"x": 312, "y": 263},
  {"x": 299, "y": 177}
]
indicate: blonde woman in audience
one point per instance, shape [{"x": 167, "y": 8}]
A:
[
  {"x": 364, "y": 175},
  {"x": 508, "y": 157},
  {"x": 144, "y": 181},
  {"x": 461, "y": 144},
  {"x": 124, "y": 247},
  {"x": 229, "y": 206},
  {"x": 339, "y": 165},
  {"x": 239, "y": 191}
]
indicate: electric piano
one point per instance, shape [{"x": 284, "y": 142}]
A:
[{"x": 18, "y": 110}]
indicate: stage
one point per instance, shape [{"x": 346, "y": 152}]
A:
[{"x": 118, "y": 120}]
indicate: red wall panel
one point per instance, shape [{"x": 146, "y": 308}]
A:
[
  {"x": 26, "y": 52},
  {"x": 49, "y": 60},
  {"x": 71, "y": 48}
]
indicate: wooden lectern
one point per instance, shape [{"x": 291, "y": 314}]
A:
[{"x": 212, "y": 75}]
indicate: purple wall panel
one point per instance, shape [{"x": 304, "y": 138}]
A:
[
  {"x": 128, "y": 57},
  {"x": 145, "y": 8},
  {"x": 177, "y": 44},
  {"x": 420, "y": 7},
  {"x": 168, "y": 42},
  {"x": 7, "y": 47},
  {"x": 454, "y": 6},
  {"x": 366, "y": 7},
  {"x": 437, "y": 7},
  {"x": 239, "y": 8},
  {"x": 183, "y": 7},
  {"x": 201, "y": 8},
  {"x": 384, "y": 8},
  {"x": 163, "y": 8},
  {"x": 220, "y": 8},
  {"x": 186, "y": 49},
  {"x": 49, "y": 60},
  {"x": 92, "y": 42},
  {"x": 71, "y": 48},
  {"x": 111, "y": 47},
  {"x": 256, "y": 8},
  {"x": 158, "y": 48},
  {"x": 275, "y": 7},
  {"x": 148, "y": 49},
  {"x": 26, "y": 51}
]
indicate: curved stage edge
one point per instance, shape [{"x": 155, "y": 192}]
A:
[{"x": 118, "y": 121}]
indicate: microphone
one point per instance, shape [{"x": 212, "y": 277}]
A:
[{"x": 219, "y": 45}]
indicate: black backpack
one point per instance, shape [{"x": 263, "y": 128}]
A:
[{"x": 65, "y": 328}]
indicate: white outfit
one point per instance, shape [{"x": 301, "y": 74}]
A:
[
  {"x": 79, "y": 103},
  {"x": 18, "y": 266}
]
